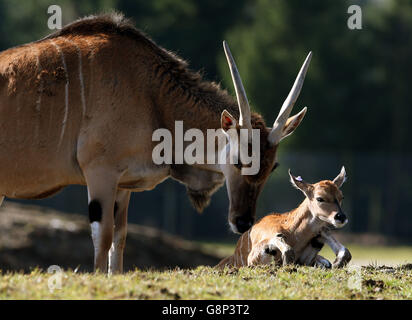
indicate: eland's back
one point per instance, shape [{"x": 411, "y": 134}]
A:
[{"x": 62, "y": 95}]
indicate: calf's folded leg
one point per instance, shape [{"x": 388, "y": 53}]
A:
[
  {"x": 278, "y": 242},
  {"x": 343, "y": 255}
]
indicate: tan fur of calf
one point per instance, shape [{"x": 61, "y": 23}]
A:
[{"x": 298, "y": 235}]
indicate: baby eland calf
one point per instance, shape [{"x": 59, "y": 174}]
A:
[{"x": 297, "y": 236}]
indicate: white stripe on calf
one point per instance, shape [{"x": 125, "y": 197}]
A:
[{"x": 241, "y": 255}]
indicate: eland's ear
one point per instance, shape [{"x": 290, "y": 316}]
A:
[
  {"x": 292, "y": 123},
  {"x": 341, "y": 178},
  {"x": 227, "y": 121},
  {"x": 300, "y": 184}
]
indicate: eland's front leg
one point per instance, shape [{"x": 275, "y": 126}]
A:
[
  {"x": 343, "y": 255},
  {"x": 102, "y": 189},
  {"x": 322, "y": 262},
  {"x": 310, "y": 255},
  {"x": 120, "y": 232}
]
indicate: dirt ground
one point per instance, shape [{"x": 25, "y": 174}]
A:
[{"x": 32, "y": 236}]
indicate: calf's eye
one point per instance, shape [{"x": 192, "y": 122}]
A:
[{"x": 319, "y": 199}]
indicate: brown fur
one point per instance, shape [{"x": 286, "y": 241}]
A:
[
  {"x": 80, "y": 107},
  {"x": 296, "y": 228},
  {"x": 179, "y": 84},
  {"x": 100, "y": 38}
]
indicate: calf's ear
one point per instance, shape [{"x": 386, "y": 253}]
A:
[
  {"x": 300, "y": 184},
  {"x": 341, "y": 178}
]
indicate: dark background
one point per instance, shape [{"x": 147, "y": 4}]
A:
[{"x": 358, "y": 92}]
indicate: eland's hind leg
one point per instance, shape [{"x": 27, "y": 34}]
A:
[
  {"x": 259, "y": 255},
  {"x": 120, "y": 232},
  {"x": 102, "y": 189}
]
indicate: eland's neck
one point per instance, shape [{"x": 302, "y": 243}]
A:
[{"x": 303, "y": 221}]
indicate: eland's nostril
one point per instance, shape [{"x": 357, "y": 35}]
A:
[
  {"x": 341, "y": 217},
  {"x": 243, "y": 224}
]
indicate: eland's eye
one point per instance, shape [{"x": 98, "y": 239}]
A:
[{"x": 319, "y": 199}]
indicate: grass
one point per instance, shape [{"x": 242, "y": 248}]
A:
[
  {"x": 370, "y": 281},
  {"x": 365, "y": 255},
  {"x": 361, "y": 254},
  {"x": 267, "y": 282}
]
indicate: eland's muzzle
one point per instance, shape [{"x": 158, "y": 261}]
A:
[
  {"x": 341, "y": 217},
  {"x": 242, "y": 224}
]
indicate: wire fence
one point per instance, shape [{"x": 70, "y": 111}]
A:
[{"x": 378, "y": 197}]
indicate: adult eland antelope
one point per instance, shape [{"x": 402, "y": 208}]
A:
[{"x": 80, "y": 107}]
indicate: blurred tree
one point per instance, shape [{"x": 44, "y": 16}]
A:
[
  {"x": 354, "y": 77},
  {"x": 26, "y": 21},
  {"x": 357, "y": 91},
  {"x": 193, "y": 29}
]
